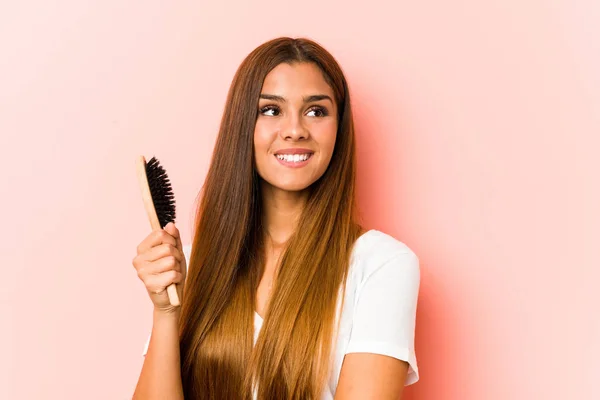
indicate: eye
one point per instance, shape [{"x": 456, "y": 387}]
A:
[
  {"x": 318, "y": 112},
  {"x": 270, "y": 111}
]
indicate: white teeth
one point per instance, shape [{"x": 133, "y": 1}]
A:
[{"x": 293, "y": 157}]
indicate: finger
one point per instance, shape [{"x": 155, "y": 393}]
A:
[
  {"x": 161, "y": 251},
  {"x": 158, "y": 283},
  {"x": 155, "y": 238},
  {"x": 158, "y": 267},
  {"x": 164, "y": 264},
  {"x": 174, "y": 231},
  {"x": 143, "y": 261},
  {"x": 184, "y": 268},
  {"x": 179, "y": 244}
]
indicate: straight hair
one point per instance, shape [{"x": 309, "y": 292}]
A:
[{"x": 292, "y": 355}]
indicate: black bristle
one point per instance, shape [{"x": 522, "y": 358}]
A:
[{"x": 161, "y": 191}]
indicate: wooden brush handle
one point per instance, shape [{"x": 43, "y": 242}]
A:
[{"x": 152, "y": 217}]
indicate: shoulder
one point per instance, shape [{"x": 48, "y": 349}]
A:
[{"x": 379, "y": 252}]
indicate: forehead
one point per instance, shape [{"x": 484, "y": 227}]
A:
[{"x": 296, "y": 79}]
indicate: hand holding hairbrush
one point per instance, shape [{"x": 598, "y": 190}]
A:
[{"x": 159, "y": 202}]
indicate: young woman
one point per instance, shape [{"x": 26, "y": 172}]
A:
[{"x": 286, "y": 296}]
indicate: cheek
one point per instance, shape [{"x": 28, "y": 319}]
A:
[
  {"x": 262, "y": 137},
  {"x": 326, "y": 137}
]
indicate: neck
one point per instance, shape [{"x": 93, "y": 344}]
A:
[{"x": 281, "y": 212}]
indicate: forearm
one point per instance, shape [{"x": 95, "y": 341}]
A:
[{"x": 161, "y": 373}]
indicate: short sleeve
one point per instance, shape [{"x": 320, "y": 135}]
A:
[
  {"x": 385, "y": 311},
  {"x": 187, "y": 251},
  {"x": 146, "y": 345}
]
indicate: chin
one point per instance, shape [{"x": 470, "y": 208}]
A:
[
  {"x": 296, "y": 186},
  {"x": 292, "y": 187}
]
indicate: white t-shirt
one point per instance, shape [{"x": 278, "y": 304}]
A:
[{"x": 380, "y": 305}]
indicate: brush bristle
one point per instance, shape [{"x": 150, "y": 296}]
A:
[{"x": 161, "y": 191}]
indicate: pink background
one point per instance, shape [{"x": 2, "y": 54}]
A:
[{"x": 478, "y": 127}]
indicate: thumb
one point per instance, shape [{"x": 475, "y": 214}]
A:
[{"x": 172, "y": 230}]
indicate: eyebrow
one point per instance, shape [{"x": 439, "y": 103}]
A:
[{"x": 306, "y": 99}]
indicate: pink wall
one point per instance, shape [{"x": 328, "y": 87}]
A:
[{"x": 478, "y": 127}]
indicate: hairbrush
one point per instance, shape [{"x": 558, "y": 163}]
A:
[{"x": 159, "y": 202}]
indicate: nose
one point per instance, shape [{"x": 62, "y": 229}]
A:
[{"x": 293, "y": 128}]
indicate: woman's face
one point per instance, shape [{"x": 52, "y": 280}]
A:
[{"x": 296, "y": 128}]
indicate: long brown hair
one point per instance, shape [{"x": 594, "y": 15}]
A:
[{"x": 292, "y": 356}]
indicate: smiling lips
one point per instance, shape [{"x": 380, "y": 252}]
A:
[{"x": 294, "y": 159}]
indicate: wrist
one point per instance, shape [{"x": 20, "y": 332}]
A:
[{"x": 167, "y": 313}]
